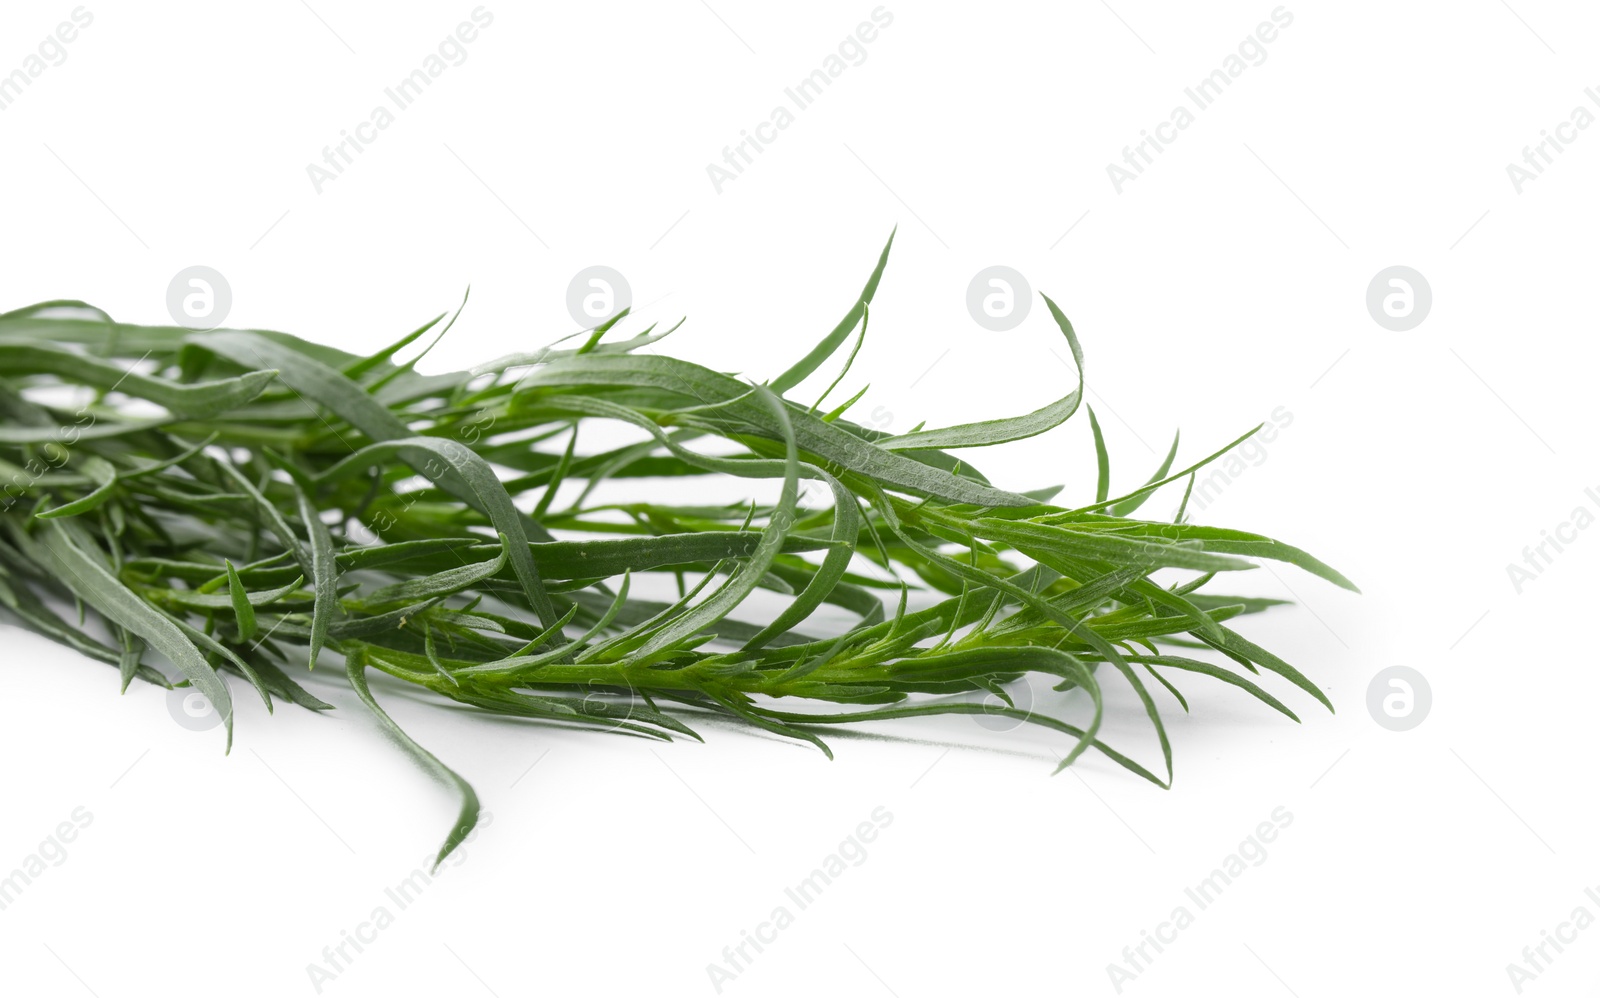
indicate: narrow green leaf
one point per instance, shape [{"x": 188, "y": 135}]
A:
[
  {"x": 324, "y": 574},
  {"x": 1102, "y": 486},
  {"x": 999, "y": 431},
  {"x": 243, "y": 612},
  {"x": 1128, "y": 507},
  {"x": 92, "y": 583},
  {"x": 822, "y": 351},
  {"x": 467, "y": 817}
]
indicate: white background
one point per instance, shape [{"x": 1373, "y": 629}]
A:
[{"x": 1228, "y": 280}]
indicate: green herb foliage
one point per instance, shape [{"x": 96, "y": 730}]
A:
[{"x": 242, "y": 502}]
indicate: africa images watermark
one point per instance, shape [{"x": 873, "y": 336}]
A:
[
  {"x": 52, "y": 851},
  {"x": 337, "y": 958},
  {"x": 1137, "y": 958},
  {"x": 1539, "y": 557},
  {"x": 1537, "y": 157},
  {"x": 736, "y": 958},
  {"x": 1537, "y": 958},
  {"x": 50, "y": 52},
  {"x": 851, "y": 52},
  {"x": 53, "y": 455},
  {"x": 1251, "y": 52},
  {"x": 1252, "y": 453},
  {"x": 452, "y": 51}
]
